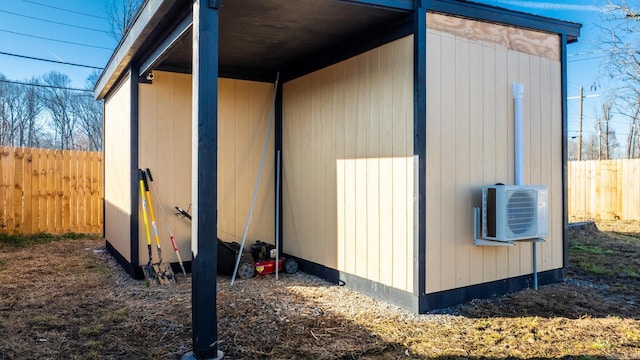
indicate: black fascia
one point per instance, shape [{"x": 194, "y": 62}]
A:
[
  {"x": 133, "y": 168},
  {"x": 348, "y": 49},
  {"x": 499, "y": 15},
  {"x": 419, "y": 140},
  {"x": 397, "y": 5},
  {"x": 169, "y": 23},
  {"x": 565, "y": 129}
]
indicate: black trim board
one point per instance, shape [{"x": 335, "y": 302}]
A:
[
  {"x": 397, "y": 5},
  {"x": 278, "y": 147},
  {"x": 133, "y": 167},
  {"x": 499, "y": 15},
  {"x": 136, "y": 271},
  {"x": 133, "y": 271},
  {"x": 488, "y": 290},
  {"x": 433, "y": 301},
  {"x": 420, "y": 142},
  {"x": 565, "y": 151}
]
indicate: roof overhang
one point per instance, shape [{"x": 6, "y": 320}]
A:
[{"x": 267, "y": 36}]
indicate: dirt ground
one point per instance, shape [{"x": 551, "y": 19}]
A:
[{"x": 68, "y": 299}]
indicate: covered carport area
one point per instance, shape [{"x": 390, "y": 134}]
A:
[{"x": 249, "y": 40}]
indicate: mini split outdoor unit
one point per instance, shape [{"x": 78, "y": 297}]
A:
[{"x": 514, "y": 212}]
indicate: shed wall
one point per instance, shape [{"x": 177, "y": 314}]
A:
[
  {"x": 117, "y": 191},
  {"x": 348, "y": 166},
  {"x": 165, "y": 147},
  {"x": 470, "y": 144}
]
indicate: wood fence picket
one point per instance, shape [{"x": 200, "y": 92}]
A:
[
  {"x": 52, "y": 191},
  {"x": 604, "y": 189}
]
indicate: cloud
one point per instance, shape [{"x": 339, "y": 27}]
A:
[{"x": 552, "y": 6}]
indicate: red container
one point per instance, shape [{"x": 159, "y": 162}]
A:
[{"x": 268, "y": 266}]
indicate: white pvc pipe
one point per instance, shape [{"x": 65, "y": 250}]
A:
[{"x": 518, "y": 142}]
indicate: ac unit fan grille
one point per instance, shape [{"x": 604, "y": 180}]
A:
[{"x": 521, "y": 212}]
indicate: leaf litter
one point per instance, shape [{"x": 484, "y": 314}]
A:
[{"x": 71, "y": 300}]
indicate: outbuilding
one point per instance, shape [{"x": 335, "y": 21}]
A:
[{"x": 390, "y": 116}]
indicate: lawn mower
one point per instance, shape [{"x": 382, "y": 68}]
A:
[
  {"x": 265, "y": 259},
  {"x": 259, "y": 260}
]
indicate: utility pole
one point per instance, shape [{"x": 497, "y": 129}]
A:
[
  {"x": 580, "y": 127},
  {"x": 599, "y": 140},
  {"x": 581, "y": 97}
]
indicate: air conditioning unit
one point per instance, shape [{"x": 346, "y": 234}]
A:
[{"x": 514, "y": 212}]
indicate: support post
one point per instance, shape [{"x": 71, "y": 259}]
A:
[
  {"x": 420, "y": 151},
  {"x": 133, "y": 169},
  {"x": 580, "y": 125},
  {"x": 204, "y": 172}
]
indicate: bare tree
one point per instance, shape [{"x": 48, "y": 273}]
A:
[
  {"x": 622, "y": 65},
  {"x": 88, "y": 113},
  {"x": 20, "y": 108},
  {"x": 57, "y": 100},
  {"x": 120, "y": 15}
]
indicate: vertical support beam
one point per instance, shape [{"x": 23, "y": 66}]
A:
[
  {"x": 565, "y": 127},
  {"x": 278, "y": 146},
  {"x": 420, "y": 148},
  {"x": 204, "y": 172},
  {"x": 133, "y": 169}
]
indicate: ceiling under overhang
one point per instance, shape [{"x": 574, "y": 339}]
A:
[{"x": 268, "y": 35}]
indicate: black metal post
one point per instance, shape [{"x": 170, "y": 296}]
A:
[
  {"x": 420, "y": 142},
  {"x": 204, "y": 175},
  {"x": 133, "y": 169}
]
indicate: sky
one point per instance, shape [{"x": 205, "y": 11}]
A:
[
  {"x": 583, "y": 59},
  {"x": 76, "y": 32},
  {"x": 23, "y": 30}
]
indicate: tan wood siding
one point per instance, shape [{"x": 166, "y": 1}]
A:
[
  {"x": 470, "y": 144},
  {"x": 165, "y": 147},
  {"x": 243, "y": 115},
  {"x": 348, "y": 168},
  {"x": 117, "y": 192}
]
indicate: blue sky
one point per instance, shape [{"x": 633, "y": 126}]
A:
[
  {"x": 583, "y": 59},
  {"x": 18, "y": 19}
]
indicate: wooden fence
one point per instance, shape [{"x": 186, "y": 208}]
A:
[
  {"x": 604, "y": 189},
  {"x": 53, "y": 191}
]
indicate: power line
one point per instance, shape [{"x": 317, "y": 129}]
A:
[
  {"x": 44, "y": 86},
  {"x": 53, "y": 22},
  {"x": 60, "y": 41},
  {"x": 51, "y": 61},
  {"x": 591, "y": 58},
  {"x": 67, "y": 10}
]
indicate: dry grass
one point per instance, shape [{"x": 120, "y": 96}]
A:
[{"x": 69, "y": 300}]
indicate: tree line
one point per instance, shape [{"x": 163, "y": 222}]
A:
[{"x": 46, "y": 112}]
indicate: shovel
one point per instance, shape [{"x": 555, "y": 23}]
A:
[
  {"x": 163, "y": 270},
  {"x": 149, "y": 272},
  {"x": 166, "y": 224}
]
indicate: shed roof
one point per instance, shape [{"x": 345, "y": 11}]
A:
[{"x": 266, "y": 36}]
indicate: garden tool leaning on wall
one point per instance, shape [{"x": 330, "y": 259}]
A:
[
  {"x": 148, "y": 269},
  {"x": 166, "y": 223},
  {"x": 163, "y": 270}
]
